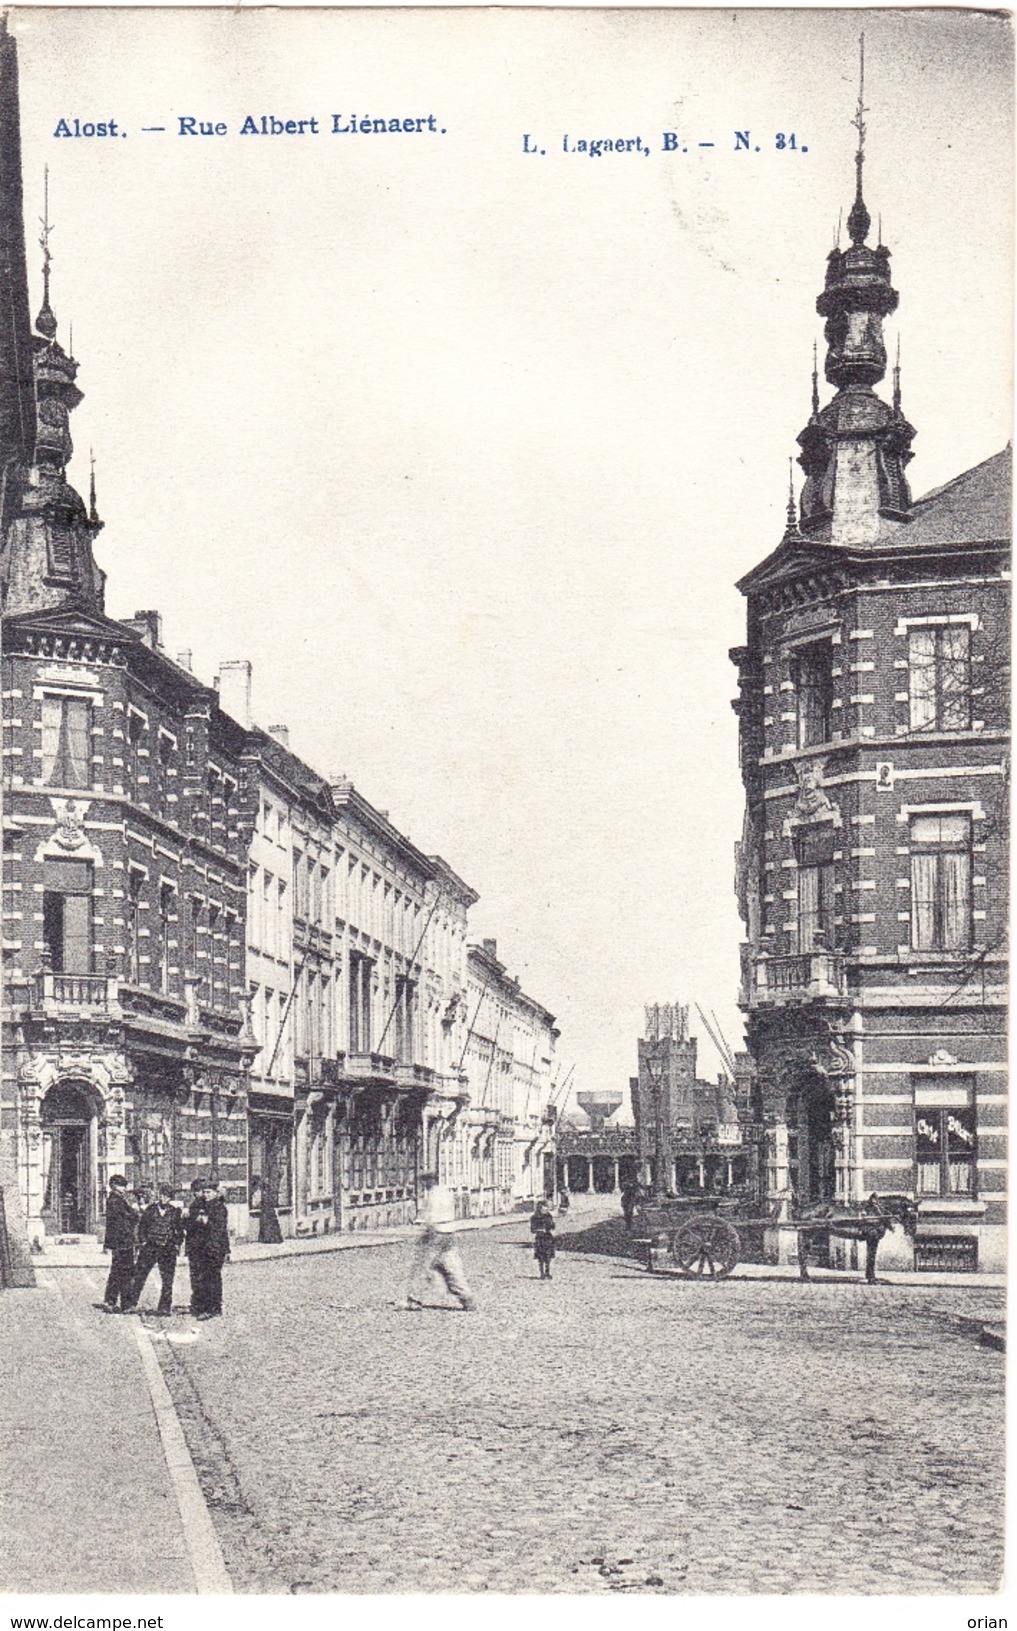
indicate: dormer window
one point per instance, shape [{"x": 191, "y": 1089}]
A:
[{"x": 812, "y": 676}]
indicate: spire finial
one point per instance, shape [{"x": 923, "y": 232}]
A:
[
  {"x": 792, "y": 508},
  {"x": 859, "y": 221},
  {"x": 93, "y": 513},
  {"x": 815, "y": 379},
  {"x": 46, "y": 322},
  {"x": 896, "y": 379}
]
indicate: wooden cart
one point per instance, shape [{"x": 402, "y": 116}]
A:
[{"x": 702, "y": 1235}]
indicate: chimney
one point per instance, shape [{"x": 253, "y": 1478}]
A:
[
  {"x": 491, "y": 948},
  {"x": 184, "y": 660},
  {"x": 281, "y": 734},
  {"x": 149, "y": 626},
  {"x": 235, "y": 691}
]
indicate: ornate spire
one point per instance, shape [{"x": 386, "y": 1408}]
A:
[
  {"x": 896, "y": 380},
  {"x": 93, "y": 513},
  {"x": 815, "y": 380},
  {"x": 46, "y": 322},
  {"x": 859, "y": 221},
  {"x": 792, "y": 529},
  {"x": 854, "y": 450}
]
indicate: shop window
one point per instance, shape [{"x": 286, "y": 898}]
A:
[
  {"x": 812, "y": 675},
  {"x": 941, "y": 882},
  {"x": 67, "y": 916},
  {"x": 814, "y": 847},
  {"x": 945, "y": 1150},
  {"x": 939, "y": 677},
  {"x": 66, "y": 742}
]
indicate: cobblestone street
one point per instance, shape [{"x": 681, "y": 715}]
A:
[{"x": 604, "y": 1432}]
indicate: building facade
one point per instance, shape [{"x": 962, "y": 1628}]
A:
[
  {"x": 688, "y": 1131},
  {"x": 510, "y": 1057},
  {"x": 874, "y": 728},
  {"x": 126, "y": 820}
]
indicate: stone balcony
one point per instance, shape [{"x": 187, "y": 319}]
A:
[{"x": 808, "y": 976}]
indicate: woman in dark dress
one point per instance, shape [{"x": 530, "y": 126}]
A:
[{"x": 542, "y": 1230}]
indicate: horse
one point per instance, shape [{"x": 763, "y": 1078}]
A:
[{"x": 867, "y": 1220}]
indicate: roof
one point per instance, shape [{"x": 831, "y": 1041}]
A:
[{"x": 973, "y": 508}]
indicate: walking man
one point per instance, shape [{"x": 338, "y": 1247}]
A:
[
  {"x": 121, "y": 1223},
  {"x": 436, "y": 1253},
  {"x": 160, "y": 1232},
  {"x": 208, "y": 1246}
]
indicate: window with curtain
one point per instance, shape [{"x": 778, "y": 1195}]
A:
[
  {"x": 945, "y": 1150},
  {"x": 812, "y": 674},
  {"x": 66, "y": 741},
  {"x": 814, "y": 848},
  {"x": 939, "y": 677},
  {"x": 941, "y": 882}
]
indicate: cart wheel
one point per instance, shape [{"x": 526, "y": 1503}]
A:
[{"x": 707, "y": 1248}]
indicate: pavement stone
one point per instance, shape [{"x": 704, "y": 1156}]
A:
[
  {"x": 606, "y": 1432},
  {"x": 86, "y": 1503}
]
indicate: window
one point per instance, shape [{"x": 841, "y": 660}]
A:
[
  {"x": 299, "y": 885},
  {"x": 812, "y": 674},
  {"x": 135, "y": 886},
  {"x": 195, "y": 963},
  {"x": 815, "y": 889},
  {"x": 360, "y": 1002},
  {"x": 67, "y": 916},
  {"x": 402, "y": 1042},
  {"x": 132, "y": 768},
  {"x": 214, "y": 972},
  {"x": 166, "y": 898},
  {"x": 266, "y": 916},
  {"x": 939, "y": 677},
  {"x": 66, "y": 741},
  {"x": 944, "y": 1139},
  {"x": 941, "y": 882}
]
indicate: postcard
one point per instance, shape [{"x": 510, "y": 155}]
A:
[{"x": 504, "y": 546}]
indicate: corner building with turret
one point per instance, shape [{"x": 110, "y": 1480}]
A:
[{"x": 872, "y": 877}]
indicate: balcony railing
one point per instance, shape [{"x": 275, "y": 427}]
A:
[
  {"x": 802, "y": 977},
  {"x": 97, "y": 991}
]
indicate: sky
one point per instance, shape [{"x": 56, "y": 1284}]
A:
[{"x": 465, "y": 446}]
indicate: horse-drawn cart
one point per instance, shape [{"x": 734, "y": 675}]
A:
[{"x": 703, "y": 1235}]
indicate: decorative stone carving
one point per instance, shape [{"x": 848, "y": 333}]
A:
[
  {"x": 941, "y": 1057},
  {"x": 812, "y": 801},
  {"x": 70, "y": 834}
]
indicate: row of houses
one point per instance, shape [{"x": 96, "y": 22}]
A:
[{"x": 215, "y": 958}]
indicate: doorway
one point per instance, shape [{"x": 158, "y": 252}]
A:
[
  {"x": 815, "y": 1178},
  {"x": 68, "y": 1124}
]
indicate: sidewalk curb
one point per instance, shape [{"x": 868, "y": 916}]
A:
[{"x": 202, "y": 1543}]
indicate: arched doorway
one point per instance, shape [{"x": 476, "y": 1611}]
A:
[
  {"x": 811, "y": 1148},
  {"x": 68, "y": 1159}
]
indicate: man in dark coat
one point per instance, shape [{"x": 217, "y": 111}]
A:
[
  {"x": 160, "y": 1232},
  {"x": 121, "y": 1223},
  {"x": 208, "y": 1246}
]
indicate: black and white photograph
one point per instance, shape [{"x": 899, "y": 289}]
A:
[{"x": 505, "y": 532}]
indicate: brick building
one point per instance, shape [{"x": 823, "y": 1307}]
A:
[
  {"x": 125, "y": 1041},
  {"x": 873, "y": 864}
]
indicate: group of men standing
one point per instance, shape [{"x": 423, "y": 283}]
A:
[{"x": 141, "y": 1238}]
